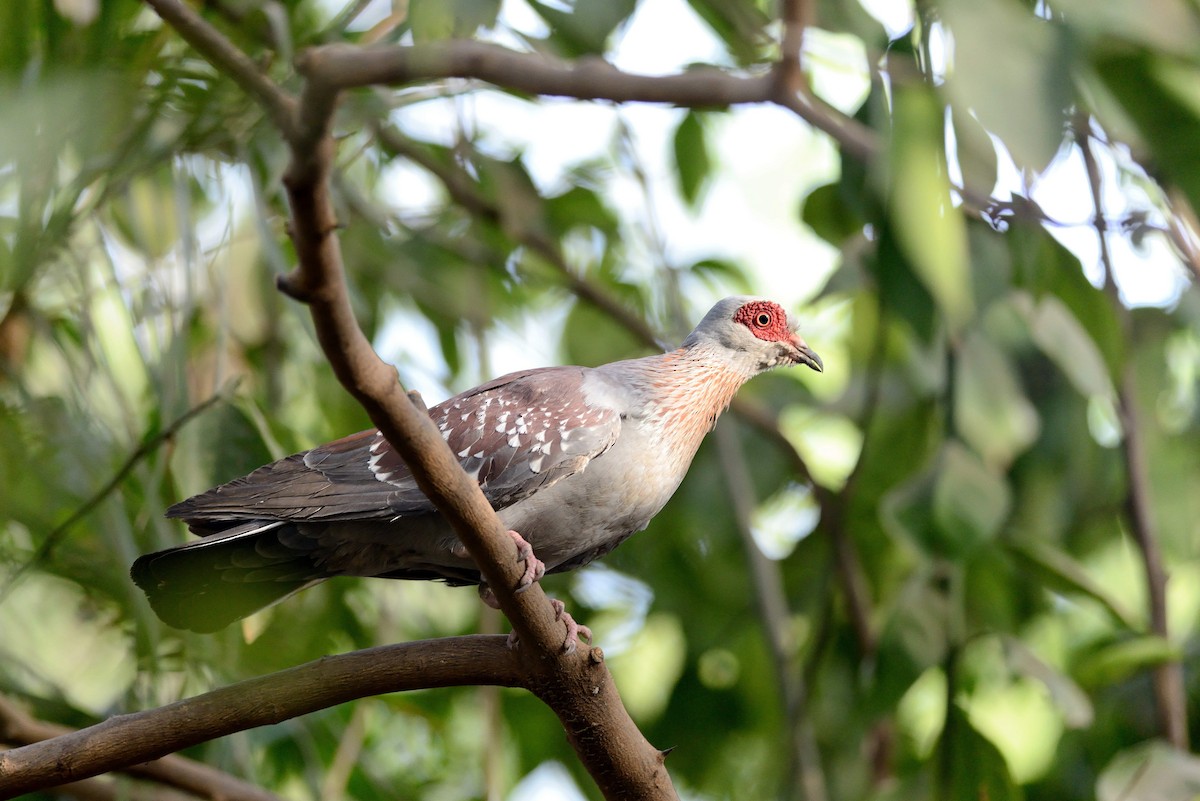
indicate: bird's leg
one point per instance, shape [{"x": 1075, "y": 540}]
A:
[
  {"x": 574, "y": 630},
  {"x": 534, "y": 568}
]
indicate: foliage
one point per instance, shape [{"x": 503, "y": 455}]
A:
[{"x": 965, "y": 587}]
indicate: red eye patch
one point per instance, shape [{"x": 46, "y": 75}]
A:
[{"x": 766, "y": 320}]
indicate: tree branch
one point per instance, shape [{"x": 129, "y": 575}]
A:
[
  {"x": 227, "y": 58},
  {"x": 578, "y": 687},
  {"x": 131, "y": 739},
  {"x": 804, "y": 777},
  {"x": 346, "y": 66},
  {"x": 17, "y": 727},
  {"x": 464, "y": 191},
  {"x": 150, "y": 443},
  {"x": 1169, "y": 694}
]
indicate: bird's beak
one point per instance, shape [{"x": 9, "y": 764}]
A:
[{"x": 806, "y": 355}]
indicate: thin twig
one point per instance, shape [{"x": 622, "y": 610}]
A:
[
  {"x": 149, "y": 444},
  {"x": 1169, "y": 692},
  {"x": 226, "y": 57},
  {"x": 790, "y": 70},
  {"x": 464, "y": 191},
  {"x": 804, "y": 777}
]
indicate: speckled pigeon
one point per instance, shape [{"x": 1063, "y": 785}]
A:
[{"x": 576, "y": 459}]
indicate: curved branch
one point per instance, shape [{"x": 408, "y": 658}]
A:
[
  {"x": 17, "y": 727},
  {"x": 131, "y": 739},
  {"x": 346, "y": 66}
]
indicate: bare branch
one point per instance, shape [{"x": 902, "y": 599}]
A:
[
  {"x": 130, "y": 739},
  {"x": 347, "y": 66},
  {"x": 1169, "y": 694},
  {"x": 17, "y": 727}
]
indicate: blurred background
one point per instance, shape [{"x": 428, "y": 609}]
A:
[{"x": 961, "y": 563}]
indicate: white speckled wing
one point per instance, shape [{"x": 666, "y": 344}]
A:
[{"x": 516, "y": 435}]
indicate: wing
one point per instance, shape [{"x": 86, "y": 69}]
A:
[{"x": 516, "y": 435}]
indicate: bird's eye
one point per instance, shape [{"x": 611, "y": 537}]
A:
[{"x": 762, "y": 320}]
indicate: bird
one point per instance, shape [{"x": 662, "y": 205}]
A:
[{"x": 573, "y": 459}]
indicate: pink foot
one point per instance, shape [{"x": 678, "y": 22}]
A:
[
  {"x": 574, "y": 630},
  {"x": 534, "y": 568}
]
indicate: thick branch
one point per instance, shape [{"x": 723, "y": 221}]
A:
[
  {"x": 130, "y": 739},
  {"x": 17, "y": 727},
  {"x": 1169, "y": 694},
  {"x": 346, "y": 66}
]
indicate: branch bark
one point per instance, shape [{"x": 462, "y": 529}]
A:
[
  {"x": 131, "y": 739},
  {"x": 1169, "y": 695},
  {"x": 18, "y": 728},
  {"x": 577, "y": 686}
]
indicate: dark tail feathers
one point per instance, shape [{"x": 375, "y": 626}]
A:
[{"x": 206, "y": 585}]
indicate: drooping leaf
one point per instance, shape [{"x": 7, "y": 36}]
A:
[
  {"x": 584, "y": 26},
  {"x": 929, "y": 229},
  {"x": 1151, "y": 771},
  {"x": 1024, "y": 103},
  {"x": 991, "y": 410},
  {"x": 692, "y": 162},
  {"x": 972, "y": 766}
]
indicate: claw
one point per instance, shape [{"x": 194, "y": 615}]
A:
[
  {"x": 534, "y": 568},
  {"x": 574, "y": 630}
]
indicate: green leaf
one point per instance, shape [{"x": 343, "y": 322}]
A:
[
  {"x": 1114, "y": 662},
  {"x": 1150, "y": 771},
  {"x": 952, "y": 507},
  {"x": 583, "y": 29},
  {"x": 1062, "y": 573},
  {"x": 970, "y": 501},
  {"x": 1060, "y": 336},
  {"x": 692, "y": 162},
  {"x": 976, "y": 152},
  {"x": 991, "y": 411},
  {"x": 830, "y": 216},
  {"x": 1162, "y": 96},
  {"x": 929, "y": 229},
  {"x": 1024, "y": 103},
  {"x": 972, "y": 767},
  {"x": 1076, "y": 707},
  {"x": 432, "y": 20}
]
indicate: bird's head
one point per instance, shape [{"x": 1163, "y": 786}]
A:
[{"x": 754, "y": 330}]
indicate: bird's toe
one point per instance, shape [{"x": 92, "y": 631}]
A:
[{"x": 534, "y": 568}]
